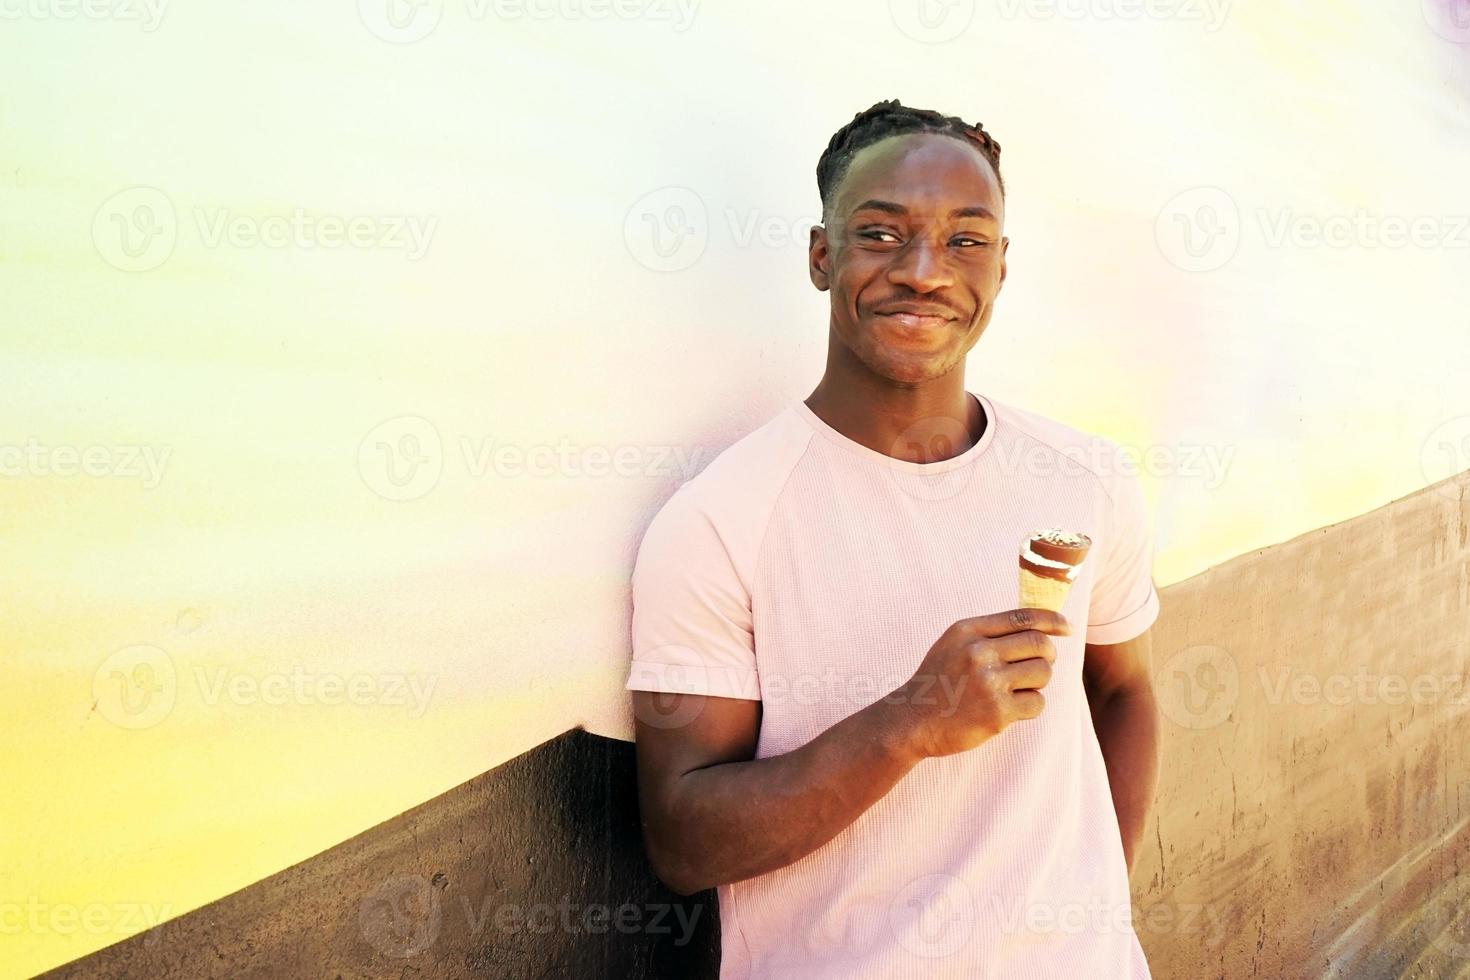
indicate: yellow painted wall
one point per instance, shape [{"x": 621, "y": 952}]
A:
[{"x": 285, "y": 289}]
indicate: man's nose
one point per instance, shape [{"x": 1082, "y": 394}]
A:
[{"x": 921, "y": 266}]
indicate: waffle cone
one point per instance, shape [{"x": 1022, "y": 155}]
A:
[{"x": 1043, "y": 593}]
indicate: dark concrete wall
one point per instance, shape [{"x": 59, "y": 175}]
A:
[
  {"x": 1305, "y": 826},
  {"x": 1313, "y": 813},
  {"x": 534, "y": 869}
]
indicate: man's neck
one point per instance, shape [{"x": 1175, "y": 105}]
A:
[{"x": 924, "y": 424}]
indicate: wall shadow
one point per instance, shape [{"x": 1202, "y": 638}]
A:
[{"x": 533, "y": 869}]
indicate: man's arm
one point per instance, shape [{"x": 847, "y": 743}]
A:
[
  {"x": 713, "y": 814},
  {"x": 1119, "y": 684}
]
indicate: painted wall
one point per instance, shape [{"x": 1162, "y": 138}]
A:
[{"x": 345, "y": 351}]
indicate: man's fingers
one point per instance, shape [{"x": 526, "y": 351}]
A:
[
  {"x": 1016, "y": 621},
  {"x": 1030, "y": 674},
  {"x": 1029, "y": 645},
  {"x": 1029, "y": 703}
]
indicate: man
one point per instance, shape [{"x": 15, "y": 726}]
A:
[{"x": 840, "y": 716}]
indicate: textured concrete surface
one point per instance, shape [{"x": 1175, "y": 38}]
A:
[
  {"x": 534, "y": 869},
  {"x": 1313, "y": 817}
]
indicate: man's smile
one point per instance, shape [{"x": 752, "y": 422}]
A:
[{"x": 916, "y": 315}]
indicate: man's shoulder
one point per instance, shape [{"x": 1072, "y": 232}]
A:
[
  {"x": 737, "y": 489},
  {"x": 1027, "y": 430},
  {"x": 753, "y": 462}
]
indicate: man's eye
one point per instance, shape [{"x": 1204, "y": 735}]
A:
[
  {"x": 973, "y": 241},
  {"x": 873, "y": 233}
]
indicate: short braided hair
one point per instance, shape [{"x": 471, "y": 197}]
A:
[{"x": 884, "y": 119}]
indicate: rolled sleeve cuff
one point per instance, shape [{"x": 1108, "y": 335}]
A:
[
  {"x": 721, "y": 682},
  {"x": 1131, "y": 625}
]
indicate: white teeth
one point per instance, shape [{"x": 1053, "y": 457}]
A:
[{"x": 915, "y": 319}]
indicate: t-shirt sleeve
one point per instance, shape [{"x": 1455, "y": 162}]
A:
[
  {"x": 693, "y": 632},
  {"x": 1124, "y": 600}
]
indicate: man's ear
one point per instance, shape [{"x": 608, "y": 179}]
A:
[
  {"x": 819, "y": 259},
  {"x": 1005, "y": 243}
]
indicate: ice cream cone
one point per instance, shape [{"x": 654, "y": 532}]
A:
[{"x": 1050, "y": 561}]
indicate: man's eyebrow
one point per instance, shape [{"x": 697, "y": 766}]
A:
[{"x": 889, "y": 207}]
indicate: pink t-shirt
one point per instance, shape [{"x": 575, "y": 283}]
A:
[{"x": 810, "y": 572}]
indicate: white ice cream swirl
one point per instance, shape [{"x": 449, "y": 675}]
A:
[{"x": 1035, "y": 559}]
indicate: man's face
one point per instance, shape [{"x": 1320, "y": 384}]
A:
[{"x": 913, "y": 254}]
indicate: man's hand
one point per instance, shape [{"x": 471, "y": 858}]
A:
[
  {"x": 713, "y": 814},
  {"x": 988, "y": 672}
]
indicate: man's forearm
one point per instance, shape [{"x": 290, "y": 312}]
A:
[
  {"x": 737, "y": 820},
  {"x": 1128, "y": 732}
]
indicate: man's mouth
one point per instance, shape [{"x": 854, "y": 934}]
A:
[
  {"x": 916, "y": 315},
  {"x": 918, "y": 320}
]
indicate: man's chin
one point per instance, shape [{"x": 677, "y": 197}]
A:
[{"x": 907, "y": 367}]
